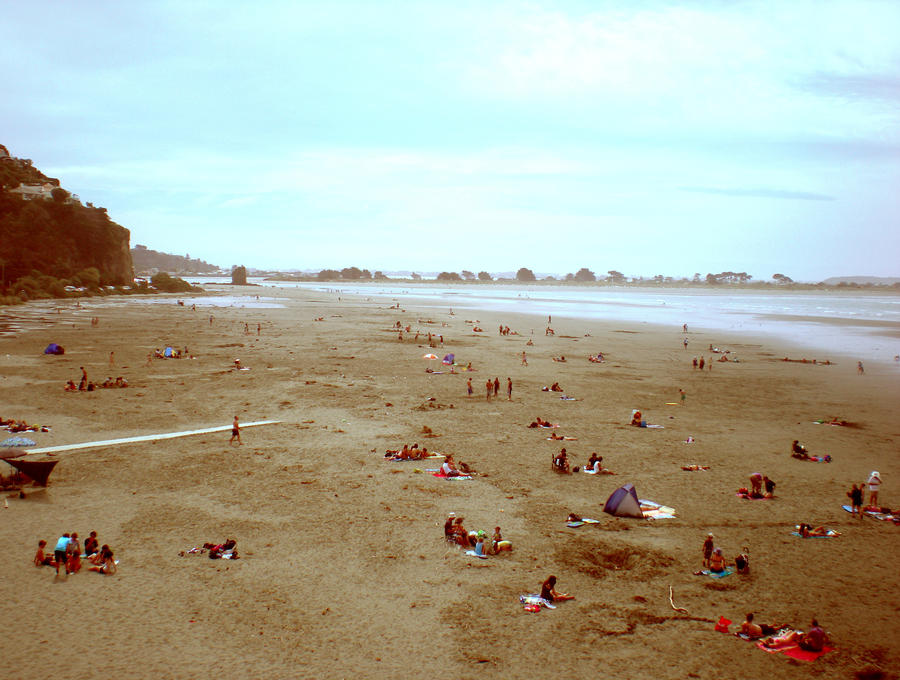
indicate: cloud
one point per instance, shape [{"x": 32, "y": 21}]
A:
[
  {"x": 877, "y": 87},
  {"x": 760, "y": 193}
]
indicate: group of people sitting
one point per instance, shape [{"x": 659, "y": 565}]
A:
[
  {"x": 813, "y": 640},
  {"x": 68, "y": 554},
  {"x": 758, "y": 481},
  {"x": 553, "y": 388},
  {"x": 407, "y": 453},
  {"x": 715, "y": 561},
  {"x": 13, "y": 425},
  {"x": 598, "y": 359},
  {"x": 91, "y": 386},
  {"x": 799, "y": 452},
  {"x": 450, "y": 469},
  {"x": 455, "y": 532},
  {"x": 540, "y": 422}
]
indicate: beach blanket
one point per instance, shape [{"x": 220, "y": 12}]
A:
[
  {"x": 874, "y": 514},
  {"x": 472, "y": 553},
  {"x": 653, "y": 510},
  {"x": 715, "y": 574},
  {"x": 440, "y": 474},
  {"x": 562, "y": 439},
  {"x": 747, "y": 496},
  {"x": 535, "y": 599},
  {"x": 831, "y": 534},
  {"x": 794, "y": 651},
  {"x": 583, "y": 520}
]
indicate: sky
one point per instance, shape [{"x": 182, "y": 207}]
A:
[{"x": 645, "y": 137}]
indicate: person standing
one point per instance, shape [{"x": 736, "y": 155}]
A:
[
  {"x": 509, "y": 389},
  {"x": 683, "y": 395},
  {"x": 856, "y": 500},
  {"x": 685, "y": 343},
  {"x": 874, "y": 482},
  {"x": 469, "y": 387},
  {"x": 859, "y": 368},
  {"x": 708, "y": 546},
  {"x": 59, "y": 553},
  {"x": 235, "y": 432},
  {"x": 489, "y": 386},
  {"x": 82, "y": 386},
  {"x": 496, "y": 386},
  {"x": 524, "y": 358}
]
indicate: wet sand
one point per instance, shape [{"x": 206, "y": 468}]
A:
[{"x": 344, "y": 570}]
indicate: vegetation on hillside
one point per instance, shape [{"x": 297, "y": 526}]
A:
[{"x": 146, "y": 260}]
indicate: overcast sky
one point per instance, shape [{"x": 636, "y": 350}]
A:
[{"x": 647, "y": 137}]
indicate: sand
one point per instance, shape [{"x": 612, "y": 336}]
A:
[{"x": 344, "y": 571}]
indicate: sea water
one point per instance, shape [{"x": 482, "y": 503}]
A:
[{"x": 861, "y": 326}]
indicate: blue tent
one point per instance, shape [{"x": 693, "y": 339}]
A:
[
  {"x": 623, "y": 502},
  {"x": 448, "y": 360},
  {"x": 53, "y": 348},
  {"x": 169, "y": 353}
]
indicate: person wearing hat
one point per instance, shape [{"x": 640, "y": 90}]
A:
[
  {"x": 874, "y": 482},
  {"x": 707, "y": 549}
]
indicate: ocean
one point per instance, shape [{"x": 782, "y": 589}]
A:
[{"x": 861, "y": 326}]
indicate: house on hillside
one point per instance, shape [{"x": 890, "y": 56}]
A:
[{"x": 30, "y": 192}]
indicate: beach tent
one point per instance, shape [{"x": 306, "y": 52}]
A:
[
  {"x": 169, "y": 353},
  {"x": 448, "y": 360},
  {"x": 53, "y": 348},
  {"x": 623, "y": 502}
]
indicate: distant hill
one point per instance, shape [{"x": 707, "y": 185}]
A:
[
  {"x": 47, "y": 230},
  {"x": 146, "y": 260},
  {"x": 862, "y": 280}
]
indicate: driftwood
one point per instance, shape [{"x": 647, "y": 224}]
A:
[{"x": 672, "y": 602}]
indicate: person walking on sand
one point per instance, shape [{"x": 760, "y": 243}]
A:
[
  {"x": 859, "y": 368},
  {"x": 235, "y": 432},
  {"x": 469, "y": 387},
  {"x": 489, "y": 386},
  {"x": 524, "y": 358},
  {"x": 112, "y": 358},
  {"x": 685, "y": 343},
  {"x": 683, "y": 395},
  {"x": 509, "y": 389},
  {"x": 82, "y": 386}
]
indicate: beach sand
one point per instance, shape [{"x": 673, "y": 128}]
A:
[{"x": 344, "y": 571}]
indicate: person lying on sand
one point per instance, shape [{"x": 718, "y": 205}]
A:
[
  {"x": 549, "y": 592},
  {"x": 807, "y": 531},
  {"x": 540, "y": 422},
  {"x": 754, "y": 631},
  {"x": 560, "y": 438},
  {"x": 694, "y": 468},
  {"x": 814, "y": 640},
  {"x": 560, "y": 359}
]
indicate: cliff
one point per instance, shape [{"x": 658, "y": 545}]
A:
[{"x": 43, "y": 228}]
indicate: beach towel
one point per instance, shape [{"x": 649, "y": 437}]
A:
[
  {"x": 535, "y": 599},
  {"x": 653, "y": 510},
  {"x": 747, "y": 496},
  {"x": 831, "y": 534},
  {"x": 715, "y": 574},
  {"x": 472, "y": 553},
  {"x": 793, "y": 650},
  {"x": 563, "y": 439},
  {"x": 583, "y": 520},
  {"x": 874, "y": 514},
  {"x": 441, "y": 474}
]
